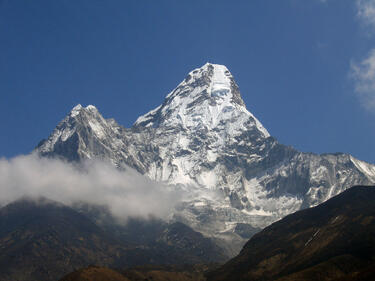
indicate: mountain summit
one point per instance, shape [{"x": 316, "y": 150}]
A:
[
  {"x": 202, "y": 139},
  {"x": 207, "y": 99}
]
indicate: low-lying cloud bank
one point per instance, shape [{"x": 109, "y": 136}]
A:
[{"x": 126, "y": 193}]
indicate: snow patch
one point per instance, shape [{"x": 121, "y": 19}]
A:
[
  {"x": 368, "y": 170},
  {"x": 97, "y": 128},
  {"x": 312, "y": 237},
  {"x": 91, "y": 108},
  {"x": 75, "y": 111}
]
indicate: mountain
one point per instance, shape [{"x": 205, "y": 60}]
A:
[
  {"x": 43, "y": 240},
  {"x": 154, "y": 273},
  {"x": 94, "y": 273},
  {"x": 332, "y": 241},
  {"x": 154, "y": 241},
  {"x": 203, "y": 140}
]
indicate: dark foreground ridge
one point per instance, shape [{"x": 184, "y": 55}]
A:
[
  {"x": 154, "y": 273},
  {"x": 95, "y": 273},
  {"x": 44, "y": 240},
  {"x": 333, "y": 241}
]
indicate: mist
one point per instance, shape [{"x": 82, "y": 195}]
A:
[{"x": 126, "y": 193}]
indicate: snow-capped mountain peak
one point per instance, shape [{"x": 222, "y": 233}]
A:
[
  {"x": 207, "y": 99},
  {"x": 79, "y": 108},
  {"x": 75, "y": 111},
  {"x": 203, "y": 140},
  {"x": 85, "y": 129}
]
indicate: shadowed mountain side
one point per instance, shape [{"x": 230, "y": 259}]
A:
[
  {"x": 95, "y": 273},
  {"x": 333, "y": 241},
  {"x": 43, "y": 240},
  {"x": 171, "y": 243},
  {"x": 154, "y": 273}
]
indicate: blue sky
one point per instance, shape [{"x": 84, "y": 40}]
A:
[{"x": 305, "y": 68}]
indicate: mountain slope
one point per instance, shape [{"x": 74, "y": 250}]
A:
[
  {"x": 155, "y": 241},
  {"x": 203, "y": 140},
  {"x": 43, "y": 240},
  {"x": 94, "y": 273},
  {"x": 154, "y": 273},
  {"x": 330, "y": 241}
]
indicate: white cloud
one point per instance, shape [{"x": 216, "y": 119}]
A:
[
  {"x": 366, "y": 12},
  {"x": 363, "y": 74},
  {"x": 126, "y": 193}
]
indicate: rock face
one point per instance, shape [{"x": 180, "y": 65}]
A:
[
  {"x": 202, "y": 139},
  {"x": 332, "y": 241}
]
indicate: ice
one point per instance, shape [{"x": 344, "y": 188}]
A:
[
  {"x": 91, "y": 107},
  {"x": 66, "y": 134},
  {"x": 212, "y": 156},
  {"x": 220, "y": 83},
  {"x": 97, "y": 128},
  {"x": 147, "y": 116},
  {"x": 365, "y": 168},
  {"x": 75, "y": 111},
  {"x": 216, "y": 109},
  {"x": 208, "y": 179}
]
